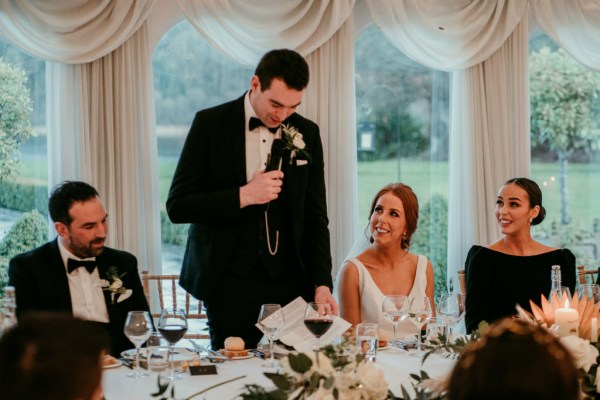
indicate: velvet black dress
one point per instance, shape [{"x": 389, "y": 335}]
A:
[{"x": 497, "y": 282}]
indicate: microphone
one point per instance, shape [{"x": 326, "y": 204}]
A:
[{"x": 275, "y": 158}]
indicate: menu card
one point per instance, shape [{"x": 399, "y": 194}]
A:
[{"x": 294, "y": 333}]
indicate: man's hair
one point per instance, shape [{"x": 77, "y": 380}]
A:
[
  {"x": 51, "y": 356},
  {"x": 64, "y": 195},
  {"x": 284, "y": 64}
]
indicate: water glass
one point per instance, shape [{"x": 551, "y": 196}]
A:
[
  {"x": 367, "y": 340},
  {"x": 437, "y": 329},
  {"x": 157, "y": 358}
]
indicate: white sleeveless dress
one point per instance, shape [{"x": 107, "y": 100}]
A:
[{"x": 371, "y": 298}]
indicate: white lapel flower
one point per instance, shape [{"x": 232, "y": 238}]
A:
[
  {"x": 114, "y": 284},
  {"x": 294, "y": 142}
]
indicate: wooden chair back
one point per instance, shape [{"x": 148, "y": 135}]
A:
[
  {"x": 582, "y": 275},
  {"x": 462, "y": 281},
  {"x": 171, "y": 295}
]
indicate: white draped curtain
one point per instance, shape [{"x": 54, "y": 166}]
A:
[
  {"x": 100, "y": 106},
  {"x": 321, "y": 31},
  {"x": 482, "y": 44}
]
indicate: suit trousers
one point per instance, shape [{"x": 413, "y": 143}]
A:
[{"x": 234, "y": 306}]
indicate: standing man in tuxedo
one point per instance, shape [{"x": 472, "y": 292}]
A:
[
  {"x": 75, "y": 272},
  {"x": 255, "y": 237}
]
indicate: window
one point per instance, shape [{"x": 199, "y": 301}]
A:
[
  {"x": 189, "y": 75},
  {"x": 23, "y": 157},
  {"x": 565, "y": 138},
  {"x": 402, "y": 111}
]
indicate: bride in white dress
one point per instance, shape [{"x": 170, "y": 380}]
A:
[{"x": 385, "y": 266}]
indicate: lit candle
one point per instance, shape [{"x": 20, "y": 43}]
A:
[
  {"x": 594, "y": 328},
  {"x": 567, "y": 321}
]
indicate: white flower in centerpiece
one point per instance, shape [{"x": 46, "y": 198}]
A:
[
  {"x": 372, "y": 381},
  {"x": 584, "y": 354}
]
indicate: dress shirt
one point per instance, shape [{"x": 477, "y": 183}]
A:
[
  {"x": 258, "y": 142},
  {"x": 87, "y": 298}
]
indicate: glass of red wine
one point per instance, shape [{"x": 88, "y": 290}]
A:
[
  {"x": 318, "y": 318},
  {"x": 172, "y": 325}
]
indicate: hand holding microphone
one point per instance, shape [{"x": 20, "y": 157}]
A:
[{"x": 265, "y": 185}]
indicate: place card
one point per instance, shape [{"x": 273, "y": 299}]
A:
[{"x": 203, "y": 369}]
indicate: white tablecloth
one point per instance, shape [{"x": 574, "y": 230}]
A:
[{"x": 396, "y": 367}]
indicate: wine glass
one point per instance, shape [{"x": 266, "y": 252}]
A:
[
  {"x": 451, "y": 307},
  {"x": 271, "y": 320},
  {"x": 138, "y": 327},
  {"x": 420, "y": 312},
  {"x": 394, "y": 308},
  {"x": 172, "y": 325},
  {"x": 318, "y": 318}
]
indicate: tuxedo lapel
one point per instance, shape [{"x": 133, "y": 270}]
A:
[
  {"x": 103, "y": 274},
  {"x": 237, "y": 129},
  {"x": 57, "y": 279}
]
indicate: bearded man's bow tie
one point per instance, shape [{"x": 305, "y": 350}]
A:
[
  {"x": 255, "y": 123},
  {"x": 72, "y": 265}
]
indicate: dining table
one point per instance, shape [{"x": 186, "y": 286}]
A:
[{"x": 396, "y": 367}]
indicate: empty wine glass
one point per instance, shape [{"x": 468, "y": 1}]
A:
[
  {"x": 172, "y": 325},
  {"x": 271, "y": 320},
  {"x": 394, "y": 308},
  {"x": 420, "y": 312},
  {"x": 451, "y": 308},
  {"x": 318, "y": 318},
  {"x": 138, "y": 327}
]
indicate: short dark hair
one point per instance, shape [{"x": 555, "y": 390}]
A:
[
  {"x": 51, "y": 356},
  {"x": 284, "y": 64},
  {"x": 507, "y": 363},
  {"x": 410, "y": 204},
  {"x": 64, "y": 195},
  {"x": 535, "y": 196}
]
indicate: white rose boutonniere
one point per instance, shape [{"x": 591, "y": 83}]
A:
[
  {"x": 114, "y": 284},
  {"x": 294, "y": 142}
]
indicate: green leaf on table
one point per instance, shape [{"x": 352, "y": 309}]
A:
[{"x": 300, "y": 362}]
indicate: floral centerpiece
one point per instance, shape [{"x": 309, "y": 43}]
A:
[
  {"x": 334, "y": 372},
  {"x": 585, "y": 354}
]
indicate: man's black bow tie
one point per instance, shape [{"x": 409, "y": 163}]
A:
[
  {"x": 72, "y": 265},
  {"x": 255, "y": 123}
]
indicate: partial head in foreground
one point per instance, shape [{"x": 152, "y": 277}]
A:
[
  {"x": 515, "y": 360},
  {"x": 52, "y": 356}
]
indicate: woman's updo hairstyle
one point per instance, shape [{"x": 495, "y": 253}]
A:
[{"x": 535, "y": 196}]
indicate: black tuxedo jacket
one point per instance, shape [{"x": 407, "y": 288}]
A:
[
  {"x": 205, "y": 193},
  {"x": 40, "y": 280}
]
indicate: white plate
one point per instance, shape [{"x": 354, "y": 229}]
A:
[
  {"x": 179, "y": 354},
  {"x": 116, "y": 364},
  {"x": 250, "y": 355}
]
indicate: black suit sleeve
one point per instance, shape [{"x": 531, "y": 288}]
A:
[
  {"x": 316, "y": 239},
  {"x": 20, "y": 276},
  {"x": 478, "y": 283},
  {"x": 204, "y": 187}
]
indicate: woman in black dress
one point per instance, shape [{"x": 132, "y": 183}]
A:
[{"x": 516, "y": 268}]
